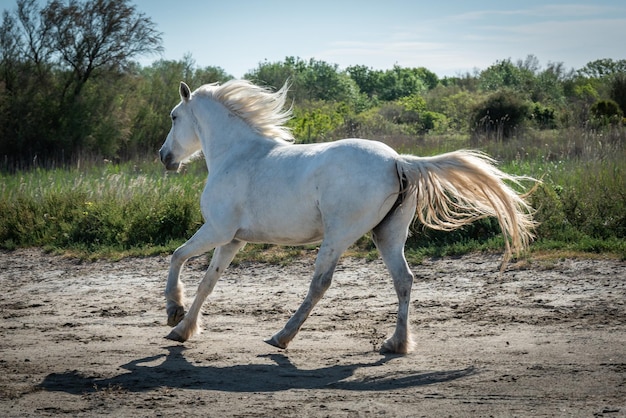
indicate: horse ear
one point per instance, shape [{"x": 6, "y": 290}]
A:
[{"x": 185, "y": 93}]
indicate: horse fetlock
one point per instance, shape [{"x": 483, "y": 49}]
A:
[{"x": 175, "y": 314}]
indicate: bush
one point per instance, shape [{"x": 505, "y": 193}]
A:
[
  {"x": 606, "y": 112},
  {"x": 543, "y": 117},
  {"x": 500, "y": 115}
]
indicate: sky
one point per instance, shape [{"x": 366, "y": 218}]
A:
[{"x": 449, "y": 38}]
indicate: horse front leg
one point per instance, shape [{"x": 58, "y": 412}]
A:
[
  {"x": 324, "y": 268},
  {"x": 174, "y": 289},
  {"x": 190, "y": 323},
  {"x": 198, "y": 244}
]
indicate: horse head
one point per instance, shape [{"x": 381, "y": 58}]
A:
[{"x": 182, "y": 141}]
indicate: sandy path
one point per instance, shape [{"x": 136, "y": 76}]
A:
[{"x": 86, "y": 339}]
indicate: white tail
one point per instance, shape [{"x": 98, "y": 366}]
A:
[{"x": 457, "y": 188}]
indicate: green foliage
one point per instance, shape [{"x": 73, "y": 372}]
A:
[
  {"x": 548, "y": 86},
  {"x": 411, "y": 111},
  {"x": 114, "y": 208},
  {"x": 605, "y": 112},
  {"x": 310, "y": 81},
  {"x": 315, "y": 121},
  {"x": 392, "y": 84},
  {"x": 60, "y": 66},
  {"x": 617, "y": 91},
  {"x": 543, "y": 117},
  {"x": 455, "y": 103},
  {"x": 603, "y": 67},
  {"x": 109, "y": 209},
  {"x": 413, "y": 103},
  {"x": 505, "y": 75},
  {"x": 500, "y": 115}
]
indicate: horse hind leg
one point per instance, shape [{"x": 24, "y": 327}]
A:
[
  {"x": 390, "y": 237},
  {"x": 325, "y": 264},
  {"x": 190, "y": 323}
]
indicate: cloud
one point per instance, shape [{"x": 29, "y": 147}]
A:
[
  {"x": 548, "y": 11},
  {"x": 571, "y": 33}
]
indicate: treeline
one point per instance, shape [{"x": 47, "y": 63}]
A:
[{"x": 70, "y": 87}]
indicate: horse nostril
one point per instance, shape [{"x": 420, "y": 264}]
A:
[{"x": 166, "y": 158}]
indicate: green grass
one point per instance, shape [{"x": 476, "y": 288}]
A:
[
  {"x": 106, "y": 210},
  {"x": 109, "y": 210}
]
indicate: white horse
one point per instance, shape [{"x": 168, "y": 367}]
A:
[{"x": 262, "y": 188}]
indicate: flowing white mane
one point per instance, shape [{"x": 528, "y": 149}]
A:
[{"x": 262, "y": 109}]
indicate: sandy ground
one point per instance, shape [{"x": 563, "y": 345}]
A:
[{"x": 86, "y": 339}]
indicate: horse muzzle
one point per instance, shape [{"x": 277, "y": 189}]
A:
[{"x": 168, "y": 160}]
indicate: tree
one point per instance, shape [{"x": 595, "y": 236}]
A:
[
  {"x": 324, "y": 81},
  {"x": 400, "y": 82},
  {"x": 310, "y": 80},
  {"x": 366, "y": 79},
  {"x": 275, "y": 74},
  {"x": 428, "y": 77},
  {"x": 618, "y": 91},
  {"x": 504, "y": 74},
  {"x": 98, "y": 34},
  {"x": 603, "y": 67},
  {"x": 58, "y": 65}
]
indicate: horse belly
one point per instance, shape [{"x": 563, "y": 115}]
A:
[{"x": 285, "y": 226}]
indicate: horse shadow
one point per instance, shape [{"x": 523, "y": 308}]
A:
[{"x": 175, "y": 371}]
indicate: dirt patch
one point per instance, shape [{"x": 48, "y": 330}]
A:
[{"x": 85, "y": 339}]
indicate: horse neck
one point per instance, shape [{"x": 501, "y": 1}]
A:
[{"x": 224, "y": 135}]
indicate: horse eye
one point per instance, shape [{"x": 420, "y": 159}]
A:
[{"x": 173, "y": 118}]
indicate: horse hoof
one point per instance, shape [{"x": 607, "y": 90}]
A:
[
  {"x": 386, "y": 350},
  {"x": 274, "y": 342},
  {"x": 393, "y": 347},
  {"x": 175, "y": 315},
  {"x": 174, "y": 336}
]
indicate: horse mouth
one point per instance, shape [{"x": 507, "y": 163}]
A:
[
  {"x": 169, "y": 163},
  {"x": 171, "y": 166}
]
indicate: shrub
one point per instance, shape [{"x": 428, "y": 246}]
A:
[
  {"x": 500, "y": 115},
  {"x": 543, "y": 116},
  {"x": 605, "y": 112}
]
